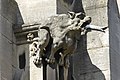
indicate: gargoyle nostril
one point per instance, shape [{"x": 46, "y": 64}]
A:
[
  {"x": 56, "y": 44},
  {"x": 35, "y": 45},
  {"x": 78, "y": 21},
  {"x": 31, "y": 50}
]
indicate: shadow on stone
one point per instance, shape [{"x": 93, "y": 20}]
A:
[
  {"x": 20, "y": 72},
  {"x": 63, "y": 6},
  {"x": 81, "y": 67}
]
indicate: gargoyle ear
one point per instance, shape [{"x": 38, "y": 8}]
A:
[{"x": 71, "y": 15}]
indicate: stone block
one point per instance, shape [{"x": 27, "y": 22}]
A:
[
  {"x": 97, "y": 39},
  {"x": 114, "y": 42},
  {"x": 6, "y": 50},
  {"x": 51, "y": 72},
  {"x": 99, "y": 16},
  {"x": 8, "y": 10},
  {"x": 91, "y": 61},
  {"x": 92, "y": 4},
  {"x": 99, "y": 75},
  {"x": 104, "y": 38},
  {"x": 93, "y": 40},
  {"x": 115, "y": 65},
  {"x": 6, "y": 58},
  {"x": 118, "y": 3},
  {"x": 14, "y": 57},
  {"x": 0, "y": 70},
  {"x": 62, "y": 7},
  {"x": 36, "y": 10},
  {"x": 35, "y": 73},
  {"x": 100, "y": 57},
  {"x": 7, "y": 18},
  {"x": 6, "y": 28},
  {"x": 41, "y": 15},
  {"x": 114, "y": 39}
]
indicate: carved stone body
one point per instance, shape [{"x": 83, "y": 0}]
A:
[
  {"x": 62, "y": 29},
  {"x": 60, "y": 33}
]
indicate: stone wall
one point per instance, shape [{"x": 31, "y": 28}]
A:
[
  {"x": 93, "y": 49},
  {"x": 114, "y": 24},
  {"x": 63, "y": 6},
  {"x": 91, "y": 60},
  {"x": 8, "y": 63},
  {"x": 33, "y": 11}
]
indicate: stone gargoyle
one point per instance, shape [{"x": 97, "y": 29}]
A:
[{"x": 62, "y": 32}]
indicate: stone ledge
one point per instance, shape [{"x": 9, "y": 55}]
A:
[{"x": 22, "y": 32}]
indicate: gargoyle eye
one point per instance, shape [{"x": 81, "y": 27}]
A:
[
  {"x": 80, "y": 15},
  {"x": 35, "y": 44}
]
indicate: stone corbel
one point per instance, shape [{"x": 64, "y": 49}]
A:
[{"x": 26, "y": 33}]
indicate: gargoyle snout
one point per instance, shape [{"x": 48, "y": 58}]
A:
[{"x": 88, "y": 19}]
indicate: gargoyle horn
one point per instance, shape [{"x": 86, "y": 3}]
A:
[{"x": 71, "y": 14}]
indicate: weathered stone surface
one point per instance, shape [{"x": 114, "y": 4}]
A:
[
  {"x": 62, "y": 7},
  {"x": 104, "y": 38},
  {"x": 93, "y": 40},
  {"x": 91, "y": 61},
  {"x": 115, "y": 65},
  {"x": 35, "y": 11},
  {"x": 94, "y": 60},
  {"x": 51, "y": 73},
  {"x": 99, "y": 16},
  {"x": 85, "y": 61},
  {"x": 8, "y": 10},
  {"x": 93, "y": 4},
  {"x": 63, "y": 30},
  {"x": 97, "y": 54},
  {"x": 22, "y": 73},
  {"x": 97, "y": 39},
  {"x": 114, "y": 22},
  {"x": 118, "y": 3},
  {"x": 6, "y": 28},
  {"x": 6, "y": 58},
  {"x": 7, "y": 19},
  {"x": 94, "y": 76},
  {"x": 35, "y": 73}
]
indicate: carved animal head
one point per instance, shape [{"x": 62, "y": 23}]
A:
[
  {"x": 78, "y": 21},
  {"x": 79, "y": 16},
  {"x": 30, "y": 37}
]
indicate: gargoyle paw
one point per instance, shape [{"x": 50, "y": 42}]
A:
[
  {"x": 37, "y": 61},
  {"x": 51, "y": 60}
]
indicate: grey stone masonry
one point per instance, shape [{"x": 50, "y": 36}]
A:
[
  {"x": 35, "y": 10},
  {"x": 92, "y": 61},
  {"x": 114, "y": 24},
  {"x": 7, "y": 47}
]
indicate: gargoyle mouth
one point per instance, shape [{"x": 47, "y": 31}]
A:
[{"x": 87, "y": 21}]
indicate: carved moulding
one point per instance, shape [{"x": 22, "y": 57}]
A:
[{"x": 25, "y": 33}]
